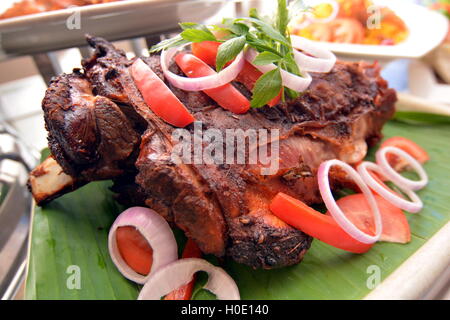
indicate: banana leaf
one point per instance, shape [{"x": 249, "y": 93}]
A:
[{"x": 72, "y": 231}]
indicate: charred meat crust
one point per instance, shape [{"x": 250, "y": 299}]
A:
[
  {"x": 224, "y": 208},
  {"x": 266, "y": 246},
  {"x": 89, "y": 136}
]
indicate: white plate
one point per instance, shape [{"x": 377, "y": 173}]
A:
[
  {"x": 115, "y": 21},
  {"x": 427, "y": 29},
  {"x": 423, "y": 83}
]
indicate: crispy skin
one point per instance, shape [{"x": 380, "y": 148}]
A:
[
  {"x": 89, "y": 136},
  {"x": 224, "y": 208}
]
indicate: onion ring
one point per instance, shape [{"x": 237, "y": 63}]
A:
[
  {"x": 290, "y": 80},
  {"x": 337, "y": 213},
  {"x": 202, "y": 83},
  {"x": 155, "y": 230},
  {"x": 413, "y": 206},
  {"x": 180, "y": 272},
  {"x": 397, "y": 178},
  {"x": 323, "y": 60}
]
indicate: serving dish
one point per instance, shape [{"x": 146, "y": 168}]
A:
[
  {"x": 427, "y": 29},
  {"x": 116, "y": 20},
  {"x": 73, "y": 230}
]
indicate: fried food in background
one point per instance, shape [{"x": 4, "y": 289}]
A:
[
  {"x": 26, "y": 7},
  {"x": 350, "y": 26}
]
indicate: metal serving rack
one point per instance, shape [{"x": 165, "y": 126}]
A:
[{"x": 16, "y": 159}]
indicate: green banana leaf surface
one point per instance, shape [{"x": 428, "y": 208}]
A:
[{"x": 69, "y": 238}]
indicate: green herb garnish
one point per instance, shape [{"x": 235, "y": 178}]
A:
[{"x": 269, "y": 36}]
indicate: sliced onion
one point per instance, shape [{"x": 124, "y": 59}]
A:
[
  {"x": 202, "y": 83},
  {"x": 180, "y": 272},
  {"x": 411, "y": 206},
  {"x": 290, "y": 80},
  {"x": 336, "y": 212},
  {"x": 396, "y": 177},
  {"x": 322, "y": 60},
  {"x": 155, "y": 230}
]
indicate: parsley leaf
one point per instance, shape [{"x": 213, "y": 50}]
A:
[
  {"x": 266, "y": 88},
  {"x": 228, "y": 51}
]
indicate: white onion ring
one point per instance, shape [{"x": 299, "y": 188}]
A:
[
  {"x": 394, "y": 176},
  {"x": 202, "y": 83},
  {"x": 180, "y": 272},
  {"x": 290, "y": 80},
  {"x": 155, "y": 230},
  {"x": 336, "y": 212},
  {"x": 413, "y": 206},
  {"x": 323, "y": 60}
]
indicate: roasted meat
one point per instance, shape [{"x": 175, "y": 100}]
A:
[
  {"x": 89, "y": 136},
  {"x": 223, "y": 207}
]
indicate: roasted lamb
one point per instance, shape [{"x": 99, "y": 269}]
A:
[{"x": 100, "y": 128}]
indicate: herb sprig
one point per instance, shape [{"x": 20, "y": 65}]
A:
[{"x": 269, "y": 36}]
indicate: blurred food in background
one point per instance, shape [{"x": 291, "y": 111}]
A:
[
  {"x": 439, "y": 58},
  {"x": 346, "y": 21},
  {"x": 26, "y": 7}
]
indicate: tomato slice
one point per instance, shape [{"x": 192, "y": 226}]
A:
[
  {"x": 408, "y": 146},
  {"x": 159, "y": 97},
  {"x": 191, "y": 250},
  {"x": 206, "y": 51},
  {"x": 134, "y": 249},
  {"x": 226, "y": 96},
  {"x": 395, "y": 224},
  {"x": 323, "y": 227}
]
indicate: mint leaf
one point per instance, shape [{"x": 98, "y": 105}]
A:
[
  {"x": 239, "y": 28},
  {"x": 196, "y": 35},
  {"x": 259, "y": 44},
  {"x": 282, "y": 19},
  {"x": 228, "y": 51},
  {"x": 266, "y": 88},
  {"x": 266, "y": 58},
  {"x": 267, "y": 30},
  {"x": 195, "y": 26},
  {"x": 196, "y": 32},
  {"x": 168, "y": 43}
]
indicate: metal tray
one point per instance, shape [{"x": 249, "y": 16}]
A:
[{"x": 66, "y": 28}]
